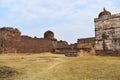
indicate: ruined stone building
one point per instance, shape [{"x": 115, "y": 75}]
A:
[
  {"x": 62, "y": 47},
  {"x": 11, "y": 41},
  {"x": 107, "y": 33},
  {"x": 85, "y": 43},
  {"x": 86, "y": 46},
  {"x": 105, "y": 42}
]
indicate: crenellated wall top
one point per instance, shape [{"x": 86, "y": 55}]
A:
[{"x": 107, "y": 17}]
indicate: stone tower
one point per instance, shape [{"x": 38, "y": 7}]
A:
[
  {"x": 107, "y": 33},
  {"x": 9, "y": 40},
  {"x": 49, "y": 35}
]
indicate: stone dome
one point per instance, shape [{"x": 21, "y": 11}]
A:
[
  {"x": 104, "y": 13},
  {"x": 49, "y": 35}
]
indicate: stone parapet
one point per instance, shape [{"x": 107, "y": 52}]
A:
[{"x": 107, "y": 17}]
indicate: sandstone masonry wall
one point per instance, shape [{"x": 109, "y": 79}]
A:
[{"x": 107, "y": 35}]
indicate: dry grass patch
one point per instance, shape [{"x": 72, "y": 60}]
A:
[{"x": 49, "y": 66}]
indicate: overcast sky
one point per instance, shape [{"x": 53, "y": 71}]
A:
[{"x": 68, "y": 19}]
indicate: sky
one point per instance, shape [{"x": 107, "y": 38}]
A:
[{"x": 68, "y": 19}]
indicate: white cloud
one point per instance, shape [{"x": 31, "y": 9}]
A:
[
  {"x": 36, "y": 9},
  {"x": 70, "y": 19}
]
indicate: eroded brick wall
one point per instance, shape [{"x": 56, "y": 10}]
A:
[
  {"x": 35, "y": 45},
  {"x": 9, "y": 40},
  {"x": 85, "y": 46}
]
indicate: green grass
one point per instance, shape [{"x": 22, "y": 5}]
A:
[{"x": 48, "y": 66}]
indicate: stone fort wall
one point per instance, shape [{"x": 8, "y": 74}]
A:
[
  {"x": 11, "y": 41},
  {"x": 35, "y": 45},
  {"x": 105, "y": 42}
]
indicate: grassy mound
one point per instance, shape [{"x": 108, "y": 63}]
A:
[{"x": 6, "y": 72}]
